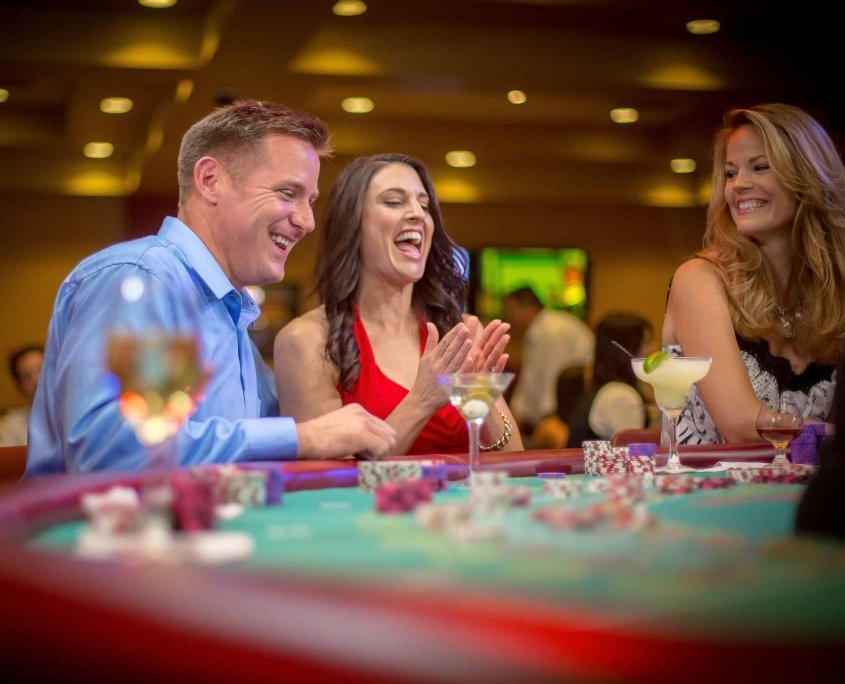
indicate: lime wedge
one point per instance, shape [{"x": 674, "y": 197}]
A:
[{"x": 653, "y": 360}]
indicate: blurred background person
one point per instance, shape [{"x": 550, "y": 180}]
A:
[
  {"x": 553, "y": 431},
  {"x": 552, "y": 341},
  {"x": 25, "y": 368},
  {"x": 765, "y": 298},
  {"x": 614, "y": 400},
  {"x": 391, "y": 317}
]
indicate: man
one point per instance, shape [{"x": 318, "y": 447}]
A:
[
  {"x": 552, "y": 341},
  {"x": 25, "y": 367},
  {"x": 247, "y": 182}
]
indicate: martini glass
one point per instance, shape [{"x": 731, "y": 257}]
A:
[
  {"x": 779, "y": 426},
  {"x": 474, "y": 394},
  {"x": 672, "y": 380}
]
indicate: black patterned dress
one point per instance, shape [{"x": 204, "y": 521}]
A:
[{"x": 771, "y": 378}]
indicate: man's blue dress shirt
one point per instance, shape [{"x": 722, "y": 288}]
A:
[{"x": 76, "y": 425}]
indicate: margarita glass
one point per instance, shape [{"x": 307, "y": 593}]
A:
[
  {"x": 474, "y": 394},
  {"x": 672, "y": 380}
]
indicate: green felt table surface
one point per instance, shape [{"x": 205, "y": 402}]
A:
[{"x": 722, "y": 563}]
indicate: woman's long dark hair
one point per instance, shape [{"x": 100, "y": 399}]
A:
[
  {"x": 628, "y": 329},
  {"x": 439, "y": 295}
]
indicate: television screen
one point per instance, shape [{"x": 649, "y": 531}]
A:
[{"x": 557, "y": 275}]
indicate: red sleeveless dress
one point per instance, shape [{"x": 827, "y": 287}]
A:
[{"x": 445, "y": 432}]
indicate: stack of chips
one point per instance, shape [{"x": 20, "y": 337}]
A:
[
  {"x": 595, "y": 451},
  {"x": 520, "y": 495},
  {"x": 487, "y": 479},
  {"x": 706, "y": 483},
  {"x": 437, "y": 473},
  {"x": 616, "y": 464},
  {"x": 562, "y": 488},
  {"x": 804, "y": 449},
  {"x": 626, "y": 490},
  {"x": 438, "y": 517},
  {"x": 275, "y": 481},
  {"x": 112, "y": 512},
  {"x": 246, "y": 487},
  {"x": 402, "y": 496},
  {"x": 675, "y": 484},
  {"x": 634, "y": 517},
  {"x": 769, "y": 474},
  {"x": 567, "y": 518},
  {"x": 641, "y": 458},
  {"x": 490, "y": 491},
  {"x": 193, "y": 502},
  {"x": 373, "y": 473}
]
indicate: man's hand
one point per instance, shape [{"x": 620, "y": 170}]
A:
[{"x": 348, "y": 430}]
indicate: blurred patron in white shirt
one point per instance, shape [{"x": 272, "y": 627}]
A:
[
  {"x": 25, "y": 367},
  {"x": 553, "y": 341}
]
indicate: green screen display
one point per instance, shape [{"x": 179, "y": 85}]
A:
[{"x": 557, "y": 275}]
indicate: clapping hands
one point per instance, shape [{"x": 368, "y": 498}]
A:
[{"x": 489, "y": 342}]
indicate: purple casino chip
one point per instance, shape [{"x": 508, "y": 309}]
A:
[
  {"x": 642, "y": 449},
  {"x": 551, "y": 475}
]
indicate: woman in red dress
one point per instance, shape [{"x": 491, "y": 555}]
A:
[{"x": 392, "y": 292}]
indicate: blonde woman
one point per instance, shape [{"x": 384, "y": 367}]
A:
[{"x": 765, "y": 298}]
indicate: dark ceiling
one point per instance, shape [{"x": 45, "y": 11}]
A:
[{"x": 437, "y": 71}]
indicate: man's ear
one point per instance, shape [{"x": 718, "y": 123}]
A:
[{"x": 208, "y": 175}]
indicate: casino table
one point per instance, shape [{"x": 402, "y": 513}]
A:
[{"x": 718, "y": 589}]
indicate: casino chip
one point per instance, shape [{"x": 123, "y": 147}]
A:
[{"x": 213, "y": 548}]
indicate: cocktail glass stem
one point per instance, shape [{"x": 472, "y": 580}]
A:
[
  {"x": 673, "y": 463},
  {"x": 780, "y": 458},
  {"x": 165, "y": 454},
  {"x": 474, "y": 428}
]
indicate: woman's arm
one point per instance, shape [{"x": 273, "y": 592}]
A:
[
  {"x": 306, "y": 381},
  {"x": 698, "y": 318}
]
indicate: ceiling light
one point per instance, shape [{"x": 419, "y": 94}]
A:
[
  {"x": 516, "y": 97},
  {"x": 349, "y": 8},
  {"x": 701, "y": 27},
  {"x": 682, "y": 165},
  {"x": 98, "y": 150},
  {"x": 624, "y": 115},
  {"x": 4, "y": 94},
  {"x": 460, "y": 159},
  {"x": 357, "y": 105},
  {"x": 184, "y": 89},
  {"x": 115, "y": 105},
  {"x": 157, "y": 4}
]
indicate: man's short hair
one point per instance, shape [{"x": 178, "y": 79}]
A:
[
  {"x": 525, "y": 295},
  {"x": 231, "y": 133},
  {"x": 16, "y": 356}
]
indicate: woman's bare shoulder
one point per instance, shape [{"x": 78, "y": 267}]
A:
[
  {"x": 305, "y": 330},
  {"x": 701, "y": 267},
  {"x": 697, "y": 273}
]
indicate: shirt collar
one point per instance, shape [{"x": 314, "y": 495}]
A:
[
  {"x": 198, "y": 256},
  {"x": 243, "y": 309}
]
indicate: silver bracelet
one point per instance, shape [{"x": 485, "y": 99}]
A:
[{"x": 504, "y": 439}]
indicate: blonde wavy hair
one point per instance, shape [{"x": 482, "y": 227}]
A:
[{"x": 806, "y": 161}]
